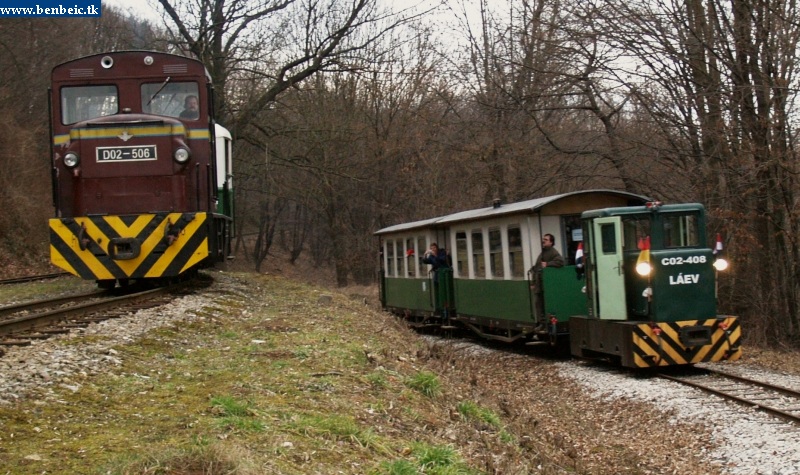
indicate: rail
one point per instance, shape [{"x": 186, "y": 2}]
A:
[
  {"x": 31, "y": 278},
  {"x": 776, "y": 400}
]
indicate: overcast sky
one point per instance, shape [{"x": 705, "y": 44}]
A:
[{"x": 151, "y": 9}]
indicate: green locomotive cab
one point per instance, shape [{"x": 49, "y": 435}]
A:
[{"x": 651, "y": 289}]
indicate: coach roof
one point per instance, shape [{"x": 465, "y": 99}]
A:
[{"x": 520, "y": 207}]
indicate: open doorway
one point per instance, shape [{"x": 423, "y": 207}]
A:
[{"x": 573, "y": 235}]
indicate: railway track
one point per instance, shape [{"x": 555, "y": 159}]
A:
[
  {"x": 778, "y": 401},
  {"x": 31, "y": 278},
  {"x": 20, "y": 324},
  {"x": 26, "y": 307}
]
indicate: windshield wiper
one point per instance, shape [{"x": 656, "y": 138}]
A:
[{"x": 159, "y": 90}]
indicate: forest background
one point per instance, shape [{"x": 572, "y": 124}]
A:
[{"x": 351, "y": 115}]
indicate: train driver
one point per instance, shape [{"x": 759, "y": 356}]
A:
[{"x": 191, "y": 108}]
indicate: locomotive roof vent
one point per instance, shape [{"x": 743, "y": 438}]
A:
[
  {"x": 107, "y": 62},
  {"x": 81, "y": 73},
  {"x": 496, "y": 203},
  {"x": 175, "y": 68}
]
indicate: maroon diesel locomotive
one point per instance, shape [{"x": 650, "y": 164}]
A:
[{"x": 141, "y": 171}]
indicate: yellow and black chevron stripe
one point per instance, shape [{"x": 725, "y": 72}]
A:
[
  {"x": 665, "y": 343},
  {"x": 159, "y": 245}
]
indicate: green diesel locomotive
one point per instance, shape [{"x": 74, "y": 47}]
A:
[{"x": 638, "y": 287}]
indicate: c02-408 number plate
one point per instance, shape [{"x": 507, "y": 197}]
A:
[{"x": 126, "y": 153}]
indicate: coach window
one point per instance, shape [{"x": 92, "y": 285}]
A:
[
  {"x": 88, "y": 102},
  {"x": 478, "y": 260},
  {"x": 410, "y": 257},
  {"x": 495, "y": 253},
  {"x": 168, "y": 98},
  {"x": 422, "y": 246},
  {"x": 389, "y": 258},
  {"x": 462, "y": 254},
  {"x": 515, "y": 252},
  {"x": 401, "y": 259}
]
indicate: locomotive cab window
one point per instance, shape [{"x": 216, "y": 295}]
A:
[
  {"x": 88, "y": 102},
  {"x": 634, "y": 229},
  {"x": 681, "y": 230},
  {"x": 172, "y": 99}
]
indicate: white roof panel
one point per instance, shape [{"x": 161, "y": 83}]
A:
[{"x": 527, "y": 206}]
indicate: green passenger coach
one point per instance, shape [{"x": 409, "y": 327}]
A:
[
  {"x": 492, "y": 251},
  {"x": 598, "y": 301}
]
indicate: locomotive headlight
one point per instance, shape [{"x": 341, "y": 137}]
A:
[
  {"x": 182, "y": 155},
  {"x": 71, "y": 159},
  {"x": 644, "y": 268},
  {"x": 720, "y": 264}
]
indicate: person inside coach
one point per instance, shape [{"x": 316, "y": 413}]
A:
[
  {"x": 549, "y": 257},
  {"x": 436, "y": 257},
  {"x": 191, "y": 108}
]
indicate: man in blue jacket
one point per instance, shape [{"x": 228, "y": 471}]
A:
[{"x": 436, "y": 257}]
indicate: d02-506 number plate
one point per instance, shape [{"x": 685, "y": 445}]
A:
[{"x": 126, "y": 153}]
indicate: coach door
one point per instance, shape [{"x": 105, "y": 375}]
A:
[{"x": 609, "y": 275}]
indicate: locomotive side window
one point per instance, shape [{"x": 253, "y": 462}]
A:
[
  {"x": 478, "y": 260},
  {"x": 681, "y": 230},
  {"x": 515, "y": 258},
  {"x": 495, "y": 253},
  {"x": 461, "y": 254},
  {"x": 634, "y": 229},
  {"x": 169, "y": 98},
  {"x": 88, "y": 102}
]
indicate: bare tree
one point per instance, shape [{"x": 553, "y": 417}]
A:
[
  {"x": 277, "y": 43},
  {"x": 728, "y": 66}
]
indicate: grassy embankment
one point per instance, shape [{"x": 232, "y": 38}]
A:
[{"x": 267, "y": 380}]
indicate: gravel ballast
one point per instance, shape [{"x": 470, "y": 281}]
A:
[{"x": 746, "y": 441}]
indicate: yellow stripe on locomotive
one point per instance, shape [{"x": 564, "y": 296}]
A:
[{"x": 118, "y": 130}]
